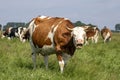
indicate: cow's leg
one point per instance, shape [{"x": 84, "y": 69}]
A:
[
  {"x": 96, "y": 39},
  {"x": 92, "y": 40},
  {"x": 46, "y": 61},
  {"x": 34, "y": 60},
  {"x": 9, "y": 36},
  {"x": 86, "y": 42},
  {"x": 105, "y": 39},
  {"x": 66, "y": 57},
  {"x": 110, "y": 39},
  {"x": 61, "y": 62}
]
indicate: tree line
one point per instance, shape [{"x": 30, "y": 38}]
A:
[{"x": 23, "y": 24}]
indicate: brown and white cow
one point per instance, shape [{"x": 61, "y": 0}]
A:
[
  {"x": 91, "y": 33},
  {"x": 106, "y": 34},
  {"x": 54, "y": 35}
]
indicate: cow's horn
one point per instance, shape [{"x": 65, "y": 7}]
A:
[{"x": 69, "y": 29}]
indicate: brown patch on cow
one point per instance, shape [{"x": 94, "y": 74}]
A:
[
  {"x": 48, "y": 41},
  {"x": 63, "y": 36},
  {"x": 42, "y": 30},
  {"x": 59, "y": 57},
  {"x": 90, "y": 32}
]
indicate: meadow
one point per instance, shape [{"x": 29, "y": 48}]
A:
[{"x": 99, "y": 61}]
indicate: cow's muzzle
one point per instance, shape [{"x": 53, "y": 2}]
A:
[{"x": 79, "y": 45}]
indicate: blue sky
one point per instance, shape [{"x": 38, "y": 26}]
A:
[{"x": 99, "y": 12}]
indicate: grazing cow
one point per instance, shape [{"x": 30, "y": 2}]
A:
[
  {"x": 91, "y": 33},
  {"x": 23, "y": 37},
  {"x": 106, "y": 34},
  {"x": 50, "y": 35},
  {"x": 7, "y": 32},
  {"x": 12, "y": 32}
]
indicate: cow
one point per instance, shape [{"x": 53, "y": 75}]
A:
[
  {"x": 12, "y": 32},
  {"x": 106, "y": 34},
  {"x": 6, "y": 32},
  {"x": 54, "y": 35},
  {"x": 23, "y": 37},
  {"x": 91, "y": 33}
]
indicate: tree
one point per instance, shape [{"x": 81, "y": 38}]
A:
[
  {"x": 0, "y": 26},
  {"x": 92, "y": 25},
  {"x": 117, "y": 27},
  {"x": 79, "y": 23},
  {"x": 14, "y": 24}
]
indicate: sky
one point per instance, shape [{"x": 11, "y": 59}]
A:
[{"x": 98, "y": 12}]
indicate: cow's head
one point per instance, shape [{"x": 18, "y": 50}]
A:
[{"x": 79, "y": 35}]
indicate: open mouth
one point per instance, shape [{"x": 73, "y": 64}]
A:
[{"x": 79, "y": 45}]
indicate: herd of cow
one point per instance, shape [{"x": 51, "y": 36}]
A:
[{"x": 48, "y": 35}]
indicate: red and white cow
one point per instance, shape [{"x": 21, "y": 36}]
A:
[
  {"x": 106, "y": 34},
  {"x": 57, "y": 35},
  {"x": 91, "y": 33}
]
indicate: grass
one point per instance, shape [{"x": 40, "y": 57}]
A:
[{"x": 93, "y": 62}]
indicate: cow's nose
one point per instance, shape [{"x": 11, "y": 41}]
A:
[{"x": 80, "y": 41}]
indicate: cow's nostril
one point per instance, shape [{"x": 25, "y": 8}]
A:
[{"x": 79, "y": 41}]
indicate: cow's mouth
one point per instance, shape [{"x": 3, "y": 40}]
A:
[{"x": 79, "y": 45}]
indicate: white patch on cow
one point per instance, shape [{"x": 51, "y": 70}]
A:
[
  {"x": 24, "y": 40},
  {"x": 66, "y": 19},
  {"x": 9, "y": 30},
  {"x": 57, "y": 26},
  {"x": 79, "y": 35},
  {"x": 61, "y": 63},
  {"x": 31, "y": 27},
  {"x": 107, "y": 36},
  {"x": 19, "y": 30},
  {"x": 9, "y": 38},
  {"x": 49, "y": 17},
  {"x": 96, "y": 36},
  {"x": 42, "y": 17},
  {"x": 51, "y": 34},
  {"x": 3, "y": 36},
  {"x": 16, "y": 34},
  {"x": 21, "y": 34}
]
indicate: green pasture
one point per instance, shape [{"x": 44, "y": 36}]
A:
[{"x": 99, "y": 61}]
